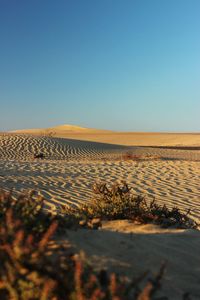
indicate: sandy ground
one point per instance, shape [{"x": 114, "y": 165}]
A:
[
  {"x": 131, "y": 250},
  {"x": 122, "y": 138},
  {"x": 71, "y": 167}
]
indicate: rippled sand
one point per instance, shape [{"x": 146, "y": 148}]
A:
[
  {"x": 71, "y": 167},
  {"x": 66, "y": 175},
  {"x": 114, "y": 137}
]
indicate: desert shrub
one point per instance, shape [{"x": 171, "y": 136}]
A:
[
  {"x": 130, "y": 156},
  {"x": 24, "y": 263},
  {"x": 28, "y": 207},
  {"x": 108, "y": 203},
  {"x": 118, "y": 202},
  {"x": 39, "y": 155},
  {"x": 37, "y": 267}
]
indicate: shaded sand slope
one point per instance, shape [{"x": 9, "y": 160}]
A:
[
  {"x": 122, "y": 138},
  {"x": 23, "y": 147},
  {"x": 131, "y": 250},
  {"x": 138, "y": 139}
]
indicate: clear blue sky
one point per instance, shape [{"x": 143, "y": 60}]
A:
[{"x": 112, "y": 64}]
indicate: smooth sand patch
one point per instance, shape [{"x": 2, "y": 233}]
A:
[{"x": 131, "y": 250}]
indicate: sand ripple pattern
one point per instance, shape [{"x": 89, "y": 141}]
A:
[
  {"x": 170, "y": 182},
  {"x": 70, "y": 168},
  {"x": 23, "y": 147}
]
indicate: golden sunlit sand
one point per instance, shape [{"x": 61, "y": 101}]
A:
[
  {"x": 75, "y": 158},
  {"x": 114, "y": 137}
]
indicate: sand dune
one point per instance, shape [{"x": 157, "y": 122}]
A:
[
  {"x": 16, "y": 146},
  {"x": 122, "y": 138},
  {"x": 71, "y": 182},
  {"x": 25, "y": 146},
  {"x": 69, "y": 169},
  {"x": 65, "y": 176},
  {"x": 61, "y": 130}
]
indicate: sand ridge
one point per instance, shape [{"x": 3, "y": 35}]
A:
[
  {"x": 61, "y": 130},
  {"x": 66, "y": 175},
  {"x": 114, "y": 137}
]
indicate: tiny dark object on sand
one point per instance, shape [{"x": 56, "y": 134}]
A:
[{"x": 39, "y": 155}]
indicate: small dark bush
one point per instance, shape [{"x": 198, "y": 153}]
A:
[{"x": 39, "y": 155}]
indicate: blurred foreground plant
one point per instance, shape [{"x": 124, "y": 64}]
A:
[{"x": 36, "y": 266}]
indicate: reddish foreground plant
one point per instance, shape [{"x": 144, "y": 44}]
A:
[{"x": 36, "y": 266}]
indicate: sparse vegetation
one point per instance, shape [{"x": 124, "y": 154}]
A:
[
  {"x": 117, "y": 202},
  {"x": 34, "y": 266},
  {"x": 28, "y": 207},
  {"x": 129, "y": 155}
]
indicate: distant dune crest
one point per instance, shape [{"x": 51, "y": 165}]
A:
[
  {"x": 70, "y": 128},
  {"x": 61, "y": 129},
  {"x": 116, "y": 137}
]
